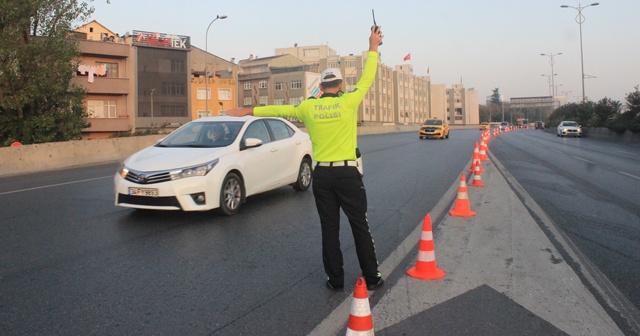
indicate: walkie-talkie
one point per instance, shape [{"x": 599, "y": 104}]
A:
[{"x": 374, "y": 22}]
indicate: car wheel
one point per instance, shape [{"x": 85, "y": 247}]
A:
[
  {"x": 420, "y": 137},
  {"x": 447, "y": 135},
  {"x": 231, "y": 194},
  {"x": 557, "y": 134},
  {"x": 304, "y": 176}
]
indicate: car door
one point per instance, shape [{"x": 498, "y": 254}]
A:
[
  {"x": 260, "y": 164},
  {"x": 286, "y": 151}
]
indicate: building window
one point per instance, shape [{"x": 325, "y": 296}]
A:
[
  {"x": 202, "y": 114},
  {"x": 295, "y": 101},
  {"x": 279, "y": 86},
  {"x": 296, "y": 84},
  {"x": 101, "y": 109},
  {"x": 264, "y": 100},
  {"x": 177, "y": 65},
  {"x": 201, "y": 93},
  {"x": 279, "y": 101},
  {"x": 247, "y": 101},
  {"x": 262, "y": 84},
  {"x": 174, "y": 89},
  {"x": 247, "y": 86},
  {"x": 333, "y": 64},
  {"x": 111, "y": 69},
  {"x": 350, "y": 64},
  {"x": 351, "y": 80},
  {"x": 224, "y": 94},
  {"x": 173, "y": 111}
]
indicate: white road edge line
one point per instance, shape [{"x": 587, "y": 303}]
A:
[
  {"x": 54, "y": 185},
  {"x": 584, "y": 160},
  {"x": 630, "y": 175}
]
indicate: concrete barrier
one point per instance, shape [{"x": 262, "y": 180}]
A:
[
  {"x": 605, "y": 134},
  {"x": 57, "y": 155}
]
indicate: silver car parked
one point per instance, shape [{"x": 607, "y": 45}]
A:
[{"x": 569, "y": 128}]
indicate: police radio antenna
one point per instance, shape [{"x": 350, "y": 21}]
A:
[{"x": 374, "y": 22}]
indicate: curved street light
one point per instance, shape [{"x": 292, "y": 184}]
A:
[
  {"x": 553, "y": 75},
  {"x": 580, "y": 19},
  {"x": 206, "y": 56}
]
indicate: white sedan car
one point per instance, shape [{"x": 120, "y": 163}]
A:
[
  {"x": 569, "y": 128},
  {"x": 214, "y": 163}
]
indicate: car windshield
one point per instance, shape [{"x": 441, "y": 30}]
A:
[
  {"x": 570, "y": 123},
  {"x": 203, "y": 134},
  {"x": 433, "y": 122}
]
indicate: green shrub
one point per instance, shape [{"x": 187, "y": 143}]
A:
[{"x": 617, "y": 125}]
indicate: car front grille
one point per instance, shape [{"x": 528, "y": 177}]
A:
[
  {"x": 148, "y": 178},
  {"x": 149, "y": 201}
]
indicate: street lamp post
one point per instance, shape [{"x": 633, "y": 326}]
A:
[
  {"x": 551, "y": 62},
  {"x": 152, "y": 91},
  {"x": 206, "y": 56},
  {"x": 580, "y": 19}
]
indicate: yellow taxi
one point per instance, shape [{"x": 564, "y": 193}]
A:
[
  {"x": 484, "y": 126},
  {"x": 434, "y": 128}
]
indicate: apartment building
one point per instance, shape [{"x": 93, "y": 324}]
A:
[
  {"x": 413, "y": 94},
  {"x": 216, "y": 92},
  {"x": 275, "y": 80},
  {"x": 142, "y": 80},
  {"x": 462, "y": 106},
  {"x": 397, "y": 95}
]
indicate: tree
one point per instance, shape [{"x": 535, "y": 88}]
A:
[
  {"x": 605, "y": 110},
  {"x": 38, "y": 103},
  {"x": 633, "y": 110}
]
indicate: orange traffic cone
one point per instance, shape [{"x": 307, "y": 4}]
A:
[
  {"x": 482, "y": 152},
  {"x": 475, "y": 159},
  {"x": 477, "y": 180},
  {"x": 360, "y": 320},
  {"x": 461, "y": 208},
  {"x": 425, "y": 268}
]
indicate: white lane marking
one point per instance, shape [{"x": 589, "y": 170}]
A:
[
  {"x": 619, "y": 151},
  {"x": 584, "y": 160},
  {"x": 630, "y": 175},
  {"x": 557, "y": 151},
  {"x": 54, "y": 185}
]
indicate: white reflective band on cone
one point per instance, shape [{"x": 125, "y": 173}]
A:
[
  {"x": 360, "y": 307},
  {"x": 426, "y": 256},
  {"x": 427, "y": 235}
]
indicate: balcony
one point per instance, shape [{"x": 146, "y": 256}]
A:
[
  {"x": 108, "y": 125},
  {"x": 252, "y": 76},
  {"x": 103, "y": 85},
  {"x": 104, "y": 49}
]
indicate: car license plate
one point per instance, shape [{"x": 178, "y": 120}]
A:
[{"x": 150, "y": 192}]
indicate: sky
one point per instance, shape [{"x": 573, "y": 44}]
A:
[{"x": 482, "y": 44}]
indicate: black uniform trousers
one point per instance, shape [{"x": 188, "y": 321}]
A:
[{"x": 336, "y": 188}]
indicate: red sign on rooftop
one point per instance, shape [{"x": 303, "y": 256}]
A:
[{"x": 161, "y": 40}]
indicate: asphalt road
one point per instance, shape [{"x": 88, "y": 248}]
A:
[
  {"x": 590, "y": 190},
  {"x": 73, "y": 263}
]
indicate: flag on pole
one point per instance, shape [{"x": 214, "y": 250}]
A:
[
  {"x": 408, "y": 57},
  {"x": 427, "y": 70}
]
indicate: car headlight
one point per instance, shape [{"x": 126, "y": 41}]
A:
[
  {"x": 123, "y": 171},
  {"x": 201, "y": 170}
]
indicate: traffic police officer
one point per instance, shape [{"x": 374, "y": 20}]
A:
[{"x": 331, "y": 122}]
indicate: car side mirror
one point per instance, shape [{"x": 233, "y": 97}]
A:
[{"x": 250, "y": 143}]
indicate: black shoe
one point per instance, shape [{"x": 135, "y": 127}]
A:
[
  {"x": 374, "y": 286},
  {"x": 336, "y": 288}
]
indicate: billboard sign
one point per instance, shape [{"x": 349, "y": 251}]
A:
[{"x": 161, "y": 40}]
